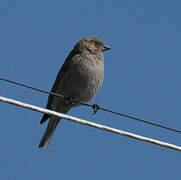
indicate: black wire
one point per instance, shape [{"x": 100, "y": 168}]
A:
[{"x": 94, "y": 106}]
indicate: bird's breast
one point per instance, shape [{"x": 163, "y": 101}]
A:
[{"x": 83, "y": 80}]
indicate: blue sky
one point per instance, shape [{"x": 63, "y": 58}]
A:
[{"x": 142, "y": 78}]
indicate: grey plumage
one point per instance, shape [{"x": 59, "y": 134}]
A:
[{"x": 80, "y": 77}]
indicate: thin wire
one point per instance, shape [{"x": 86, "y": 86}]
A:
[{"x": 94, "y": 106}]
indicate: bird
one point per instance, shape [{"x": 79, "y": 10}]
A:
[{"x": 80, "y": 78}]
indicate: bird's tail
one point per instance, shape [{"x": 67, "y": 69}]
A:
[{"x": 45, "y": 141}]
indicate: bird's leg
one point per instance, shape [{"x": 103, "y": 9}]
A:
[{"x": 95, "y": 108}]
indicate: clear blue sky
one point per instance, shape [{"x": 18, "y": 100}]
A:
[{"x": 142, "y": 78}]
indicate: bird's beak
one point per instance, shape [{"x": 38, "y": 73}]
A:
[{"x": 106, "y": 48}]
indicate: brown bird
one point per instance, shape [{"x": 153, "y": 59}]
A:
[{"x": 80, "y": 78}]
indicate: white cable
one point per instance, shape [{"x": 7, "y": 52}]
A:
[{"x": 87, "y": 123}]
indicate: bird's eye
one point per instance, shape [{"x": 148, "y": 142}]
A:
[{"x": 97, "y": 44}]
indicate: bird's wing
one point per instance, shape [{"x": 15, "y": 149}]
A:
[{"x": 60, "y": 75}]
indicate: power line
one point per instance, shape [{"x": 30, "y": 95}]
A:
[
  {"x": 87, "y": 123},
  {"x": 94, "y": 106}
]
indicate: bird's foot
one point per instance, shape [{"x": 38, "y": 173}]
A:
[
  {"x": 95, "y": 108},
  {"x": 72, "y": 101}
]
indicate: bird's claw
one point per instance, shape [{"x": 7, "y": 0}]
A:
[
  {"x": 72, "y": 101},
  {"x": 95, "y": 108}
]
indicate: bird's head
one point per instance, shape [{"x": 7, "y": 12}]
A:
[{"x": 92, "y": 44}]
